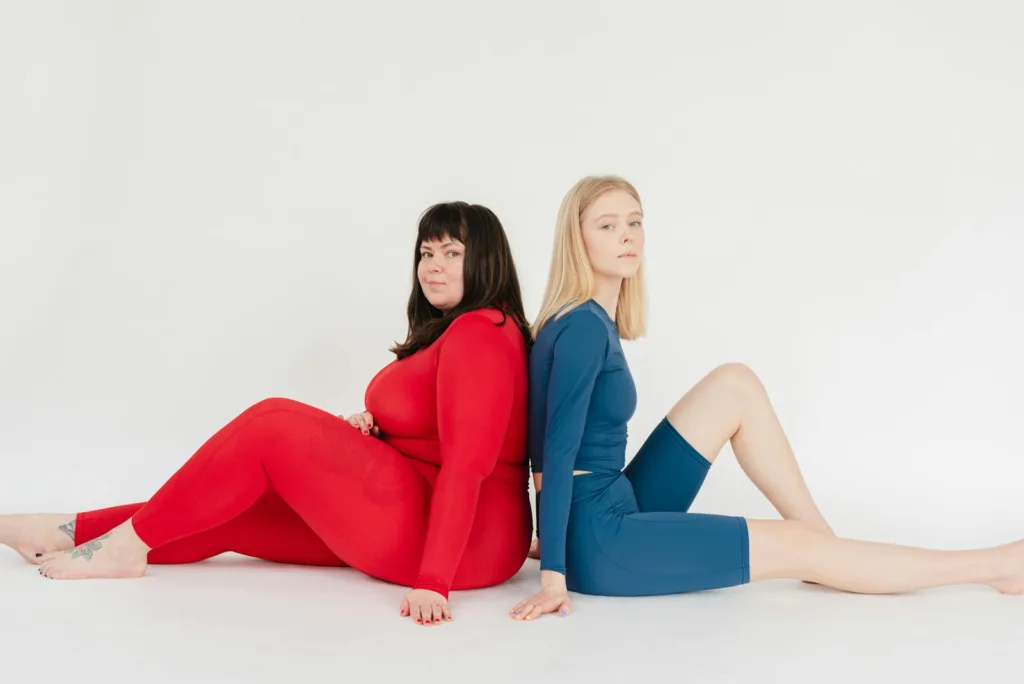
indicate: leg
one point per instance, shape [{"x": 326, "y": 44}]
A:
[
  {"x": 731, "y": 405},
  {"x": 332, "y": 476},
  {"x": 33, "y": 535},
  {"x": 785, "y": 549},
  {"x": 667, "y": 472},
  {"x": 615, "y": 549},
  {"x": 270, "y": 530}
]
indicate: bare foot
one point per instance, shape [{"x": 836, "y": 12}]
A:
[
  {"x": 37, "y": 534},
  {"x": 1011, "y": 579},
  {"x": 534, "y": 552},
  {"x": 118, "y": 554}
]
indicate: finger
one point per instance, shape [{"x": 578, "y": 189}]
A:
[
  {"x": 375, "y": 431},
  {"x": 537, "y": 611},
  {"x": 404, "y": 610},
  {"x": 522, "y": 604},
  {"x": 445, "y": 613},
  {"x": 369, "y": 418},
  {"x": 522, "y": 610},
  {"x": 419, "y": 615},
  {"x": 437, "y": 613},
  {"x": 565, "y": 608},
  {"x": 523, "y": 607}
]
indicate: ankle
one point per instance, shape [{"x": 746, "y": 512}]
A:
[{"x": 129, "y": 538}]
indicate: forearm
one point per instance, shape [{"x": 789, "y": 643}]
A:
[{"x": 452, "y": 511}]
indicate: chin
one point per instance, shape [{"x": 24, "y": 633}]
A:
[
  {"x": 624, "y": 270},
  {"x": 440, "y": 304}
]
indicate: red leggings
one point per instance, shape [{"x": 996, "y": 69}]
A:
[{"x": 290, "y": 483}]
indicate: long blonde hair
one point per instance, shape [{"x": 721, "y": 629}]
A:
[{"x": 571, "y": 276}]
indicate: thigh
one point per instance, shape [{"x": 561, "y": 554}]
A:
[
  {"x": 667, "y": 472},
  {"x": 649, "y": 554},
  {"x": 709, "y": 414},
  {"x": 367, "y": 501}
]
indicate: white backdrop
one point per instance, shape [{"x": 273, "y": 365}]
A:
[{"x": 204, "y": 204}]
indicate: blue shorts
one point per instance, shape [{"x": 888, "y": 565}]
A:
[{"x": 630, "y": 532}]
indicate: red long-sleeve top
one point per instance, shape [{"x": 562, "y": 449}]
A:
[{"x": 458, "y": 409}]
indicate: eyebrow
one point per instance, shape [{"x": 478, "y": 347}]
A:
[
  {"x": 447, "y": 244},
  {"x": 634, "y": 212}
]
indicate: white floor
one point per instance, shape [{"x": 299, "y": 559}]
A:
[{"x": 235, "y": 620}]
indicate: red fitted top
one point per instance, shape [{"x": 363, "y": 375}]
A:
[{"x": 459, "y": 404}]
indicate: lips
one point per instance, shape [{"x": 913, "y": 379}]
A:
[{"x": 628, "y": 255}]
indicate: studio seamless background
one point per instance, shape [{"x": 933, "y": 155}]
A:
[{"x": 205, "y": 204}]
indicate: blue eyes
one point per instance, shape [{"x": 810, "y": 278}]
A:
[{"x": 634, "y": 224}]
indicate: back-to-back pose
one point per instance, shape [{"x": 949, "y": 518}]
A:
[{"x": 609, "y": 530}]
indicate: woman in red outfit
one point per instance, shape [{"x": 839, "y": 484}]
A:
[{"x": 426, "y": 488}]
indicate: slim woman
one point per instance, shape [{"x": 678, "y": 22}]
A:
[
  {"x": 609, "y": 530},
  {"x": 424, "y": 488}
]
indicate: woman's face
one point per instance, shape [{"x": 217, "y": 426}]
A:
[
  {"x": 440, "y": 272},
  {"x": 613, "y": 233}
]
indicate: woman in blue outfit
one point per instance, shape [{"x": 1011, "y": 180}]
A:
[{"x": 627, "y": 531}]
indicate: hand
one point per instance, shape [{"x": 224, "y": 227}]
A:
[
  {"x": 552, "y": 597},
  {"x": 363, "y": 421},
  {"x": 426, "y": 607}
]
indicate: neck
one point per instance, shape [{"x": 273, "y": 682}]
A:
[{"x": 606, "y": 293}]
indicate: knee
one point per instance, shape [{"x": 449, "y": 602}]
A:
[
  {"x": 269, "y": 405},
  {"x": 273, "y": 404},
  {"x": 737, "y": 376},
  {"x": 267, "y": 409},
  {"x": 278, "y": 421}
]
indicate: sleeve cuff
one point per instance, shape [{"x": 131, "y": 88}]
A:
[{"x": 431, "y": 585}]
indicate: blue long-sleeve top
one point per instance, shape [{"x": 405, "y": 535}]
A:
[{"x": 581, "y": 397}]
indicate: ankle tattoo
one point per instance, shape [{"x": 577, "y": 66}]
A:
[{"x": 68, "y": 529}]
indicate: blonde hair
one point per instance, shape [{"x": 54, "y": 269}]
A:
[{"x": 571, "y": 276}]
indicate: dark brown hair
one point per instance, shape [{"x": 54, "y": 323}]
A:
[{"x": 489, "y": 273}]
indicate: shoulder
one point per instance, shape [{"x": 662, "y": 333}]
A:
[
  {"x": 483, "y": 327},
  {"x": 582, "y": 328}
]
